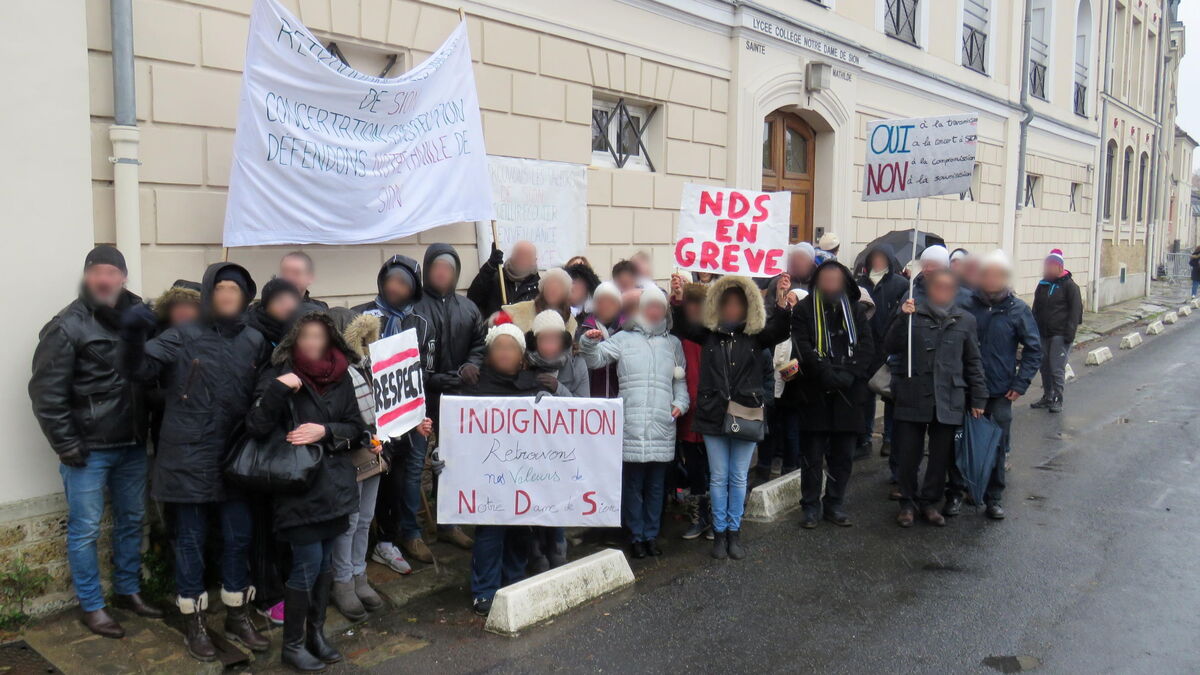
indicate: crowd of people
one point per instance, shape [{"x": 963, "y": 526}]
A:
[{"x": 711, "y": 372}]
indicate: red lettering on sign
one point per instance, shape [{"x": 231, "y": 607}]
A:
[
  {"x": 760, "y": 204},
  {"x": 517, "y": 498},
  {"x": 463, "y": 503},
  {"x": 738, "y": 205},
  {"x": 587, "y": 497},
  {"x": 684, "y": 256},
  {"x": 754, "y": 258},
  {"x": 729, "y": 259},
  {"x": 747, "y": 233},
  {"x": 710, "y": 202},
  {"x": 773, "y": 262},
  {"x": 883, "y": 178},
  {"x": 722, "y": 233},
  {"x": 708, "y": 255}
]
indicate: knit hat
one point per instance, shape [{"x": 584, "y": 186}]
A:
[
  {"x": 557, "y": 274},
  {"x": 1056, "y": 256},
  {"x": 405, "y": 275},
  {"x": 996, "y": 258},
  {"x": 936, "y": 254},
  {"x": 105, "y": 255},
  {"x": 652, "y": 294},
  {"x": 447, "y": 258},
  {"x": 829, "y": 241},
  {"x": 237, "y": 275},
  {"x": 607, "y": 289},
  {"x": 805, "y": 248},
  {"x": 548, "y": 320},
  {"x": 277, "y": 286},
  {"x": 509, "y": 329}
]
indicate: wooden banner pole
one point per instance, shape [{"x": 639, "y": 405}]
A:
[
  {"x": 912, "y": 281},
  {"x": 500, "y": 271}
]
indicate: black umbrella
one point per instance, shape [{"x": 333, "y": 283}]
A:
[
  {"x": 901, "y": 242},
  {"x": 975, "y": 450}
]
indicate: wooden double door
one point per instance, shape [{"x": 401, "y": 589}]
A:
[{"x": 789, "y": 159}]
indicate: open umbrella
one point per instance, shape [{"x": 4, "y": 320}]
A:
[
  {"x": 975, "y": 448},
  {"x": 901, "y": 242}
]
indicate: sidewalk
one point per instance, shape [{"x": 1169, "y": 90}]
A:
[{"x": 1164, "y": 297}]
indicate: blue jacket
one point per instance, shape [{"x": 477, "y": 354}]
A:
[{"x": 1002, "y": 328}]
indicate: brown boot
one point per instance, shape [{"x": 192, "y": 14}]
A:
[
  {"x": 195, "y": 631},
  {"x": 102, "y": 623},
  {"x": 416, "y": 550},
  {"x": 456, "y": 536},
  {"x": 238, "y": 626},
  {"x": 134, "y": 603},
  {"x": 933, "y": 516}
]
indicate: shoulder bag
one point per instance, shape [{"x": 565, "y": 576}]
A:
[
  {"x": 741, "y": 422},
  {"x": 273, "y": 465}
]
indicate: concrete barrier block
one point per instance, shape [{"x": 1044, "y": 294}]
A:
[
  {"x": 1156, "y": 328},
  {"x": 1098, "y": 356},
  {"x": 551, "y": 593},
  {"x": 1068, "y": 374},
  {"x": 1185, "y": 310},
  {"x": 774, "y": 498},
  {"x": 1170, "y": 318},
  {"x": 1132, "y": 340},
  {"x": 1195, "y": 303}
]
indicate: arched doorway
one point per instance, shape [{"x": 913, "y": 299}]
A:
[{"x": 789, "y": 159}]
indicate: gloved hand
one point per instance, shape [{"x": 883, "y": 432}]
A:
[
  {"x": 548, "y": 381},
  {"x": 497, "y": 257},
  {"x": 469, "y": 374},
  {"x": 436, "y": 463},
  {"x": 73, "y": 458},
  {"x": 836, "y": 378},
  {"x": 137, "y": 322}
]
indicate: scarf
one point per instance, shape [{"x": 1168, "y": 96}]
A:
[
  {"x": 320, "y": 373},
  {"x": 876, "y": 276},
  {"x": 821, "y": 321},
  {"x": 993, "y": 299},
  {"x": 939, "y": 313},
  {"x": 272, "y": 329},
  {"x": 110, "y": 317},
  {"x": 542, "y": 364},
  {"x": 393, "y": 319}
]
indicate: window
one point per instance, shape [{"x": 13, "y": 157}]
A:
[
  {"x": 900, "y": 20},
  {"x": 1137, "y": 57},
  {"x": 1073, "y": 205},
  {"x": 1110, "y": 159},
  {"x": 975, "y": 29},
  {"x": 1128, "y": 169},
  {"x": 1033, "y": 190},
  {"x": 1083, "y": 51},
  {"x": 1143, "y": 164},
  {"x": 972, "y": 190},
  {"x": 619, "y": 134},
  {"x": 1039, "y": 49}
]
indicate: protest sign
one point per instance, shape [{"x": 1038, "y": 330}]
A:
[
  {"x": 727, "y": 231},
  {"x": 398, "y": 384},
  {"x": 919, "y": 157},
  {"x": 325, "y": 154},
  {"x": 521, "y": 461},
  {"x": 537, "y": 201}
]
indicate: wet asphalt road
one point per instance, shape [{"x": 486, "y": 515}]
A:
[{"x": 1096, "y": 569}]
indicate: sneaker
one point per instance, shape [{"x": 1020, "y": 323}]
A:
[
  {"x": 274, "y": 614},
  {"x": 953, "y": 506},
  {"x": 1055, "y": 406},
  {"x": 1041, "y": 403},
  {"x": 995, "y": 512},
  {"x": 389, "y": 555},
  {"x": 481, "y": 606}
]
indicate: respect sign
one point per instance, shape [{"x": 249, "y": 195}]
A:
[
  {"x": 398, "y": 384},
  {"x": 727, "y": 231},
  {"x": 521, "y": 461},
  {"x": 919, "y": 157},
  {"x": 324, "y": 154}
]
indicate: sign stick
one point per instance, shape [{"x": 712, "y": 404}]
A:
[
  {"x": 912, "y": 281},
  {"x": 500, "y": 275},
  {"x": 462, "y": 16}
]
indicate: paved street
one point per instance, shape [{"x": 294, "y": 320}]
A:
[{"x": 1095, "y": 569}]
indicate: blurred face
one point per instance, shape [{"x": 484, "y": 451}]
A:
[
  {"x": 104, "y": 283},
  {"x": 968, "y": 272},
  {"x": 654, "y": 313},
  {"x": 694, "y": 311},
  {"x": 296, "y": 270},
  {"x": 993, "y": 279},
  {"x": 183, "y": 312},
  {"x": 227, "y": 300},
  {"x": 800, "y": 265},
  {"x": 705, "y": 277},
  {"x": 524, "y": 257},
  {"x": 579, "y": 293},
  {"x": 555, "y": 293},
  {"x": 550, "y": 344},
  {"x": 313, "y": 340},
  {"x": 441, "y": 276},
  {"x": 607, "y": 309},
  {"x": 505, "y": 355},
  {"x": 928, "y": 266},
  {"x": 396, "y": 291},
  {"x": 642, "y": 262},
  {"x": 733, "y": 308},
  {"x": 1051, "y": 270},
  {"x": 831, "y": 282},
  {"x": 941, "y": 289},
  {"x": 879, "y": 262},
  {"x": 625, "y": 281},
  {"x": 283, "y": 306},
  {"x": 630, "y": 300}
]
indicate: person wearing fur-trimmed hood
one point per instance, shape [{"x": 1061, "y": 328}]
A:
[{"x": 734, "y": 335}]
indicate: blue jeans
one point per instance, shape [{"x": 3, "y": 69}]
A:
[
  {"x": 498, "y": 558},
  {"x": 1195, "y": 287},
  {"x": 793, "y": 441},
  {"x": 399, "y": 499},
  {"x": 728, "y": 463},
  {"x": 308, "y": 561},
  {"x": 191, "y": 530},
  {"x": 642, "y": 488},
  {"x": 123, "y": 472}
]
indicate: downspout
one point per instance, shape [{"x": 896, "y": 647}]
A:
[
  {"x": 124, "y": 136},
  {"x": 1027, "y": 109},
  {"x": 1153, "y": 224}
]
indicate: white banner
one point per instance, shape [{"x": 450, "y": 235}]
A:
[
  {"x": 919, "y": 157},
  {"x": 327, "y": 155},
  {"x": 729, "y": 231},
  {"x": 542, "y": 202},
  {"x": 398, "y": 382},
  {"x": 517, "y": 461}
]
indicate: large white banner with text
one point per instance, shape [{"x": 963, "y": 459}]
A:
[
  {"x": 919, "y": 157},
  {"x": 538, "y": 201},
  {"x": 325, "y": 154}
]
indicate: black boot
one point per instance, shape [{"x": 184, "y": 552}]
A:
[
  {"x": 720, "y": 551},
  {"x": 295, "y": 616},
  {"x": 195, "y": 630},
  {"x": 735, "y": 547},
  {"x": 316, "y": 620}
]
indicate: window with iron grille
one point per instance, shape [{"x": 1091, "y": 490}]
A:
[
  {"x": 1033, "y": 187},
  {"x": 619, "y": 134},
  {"x": 975, "y": 35},
  {"x": 1039, "y": 48},
  {"x": 1083, "y": 47},
  {"x": 1080, "y": 100},
  {"x": 1073, "y": 205},
  {"x": 1037, "y": 79},
  {"x": 900, "y": 20}
]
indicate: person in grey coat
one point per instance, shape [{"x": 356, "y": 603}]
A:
[
  {"x": 947, "y": 380},
  {"x": 650, "y": 370}
]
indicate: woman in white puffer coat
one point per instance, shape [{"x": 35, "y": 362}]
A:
[{"x": 650, "y": 370}]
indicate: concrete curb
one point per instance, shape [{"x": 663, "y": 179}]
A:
[
  {"x": 1098, "y": 356},
  {"x": 1069, "y": 374},
  {"x": 1132, "y": 340},
  {"x": 1156, "y": 328},
  {"x": 1195, "y": 303},
  {"x": 1170, "y": 318},
  {"x": 1185, "y": 310},
  {"x": 773, "y": 498},
  {"x": 557, "y": 591}
]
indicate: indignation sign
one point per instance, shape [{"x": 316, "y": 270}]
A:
[
  {"x": 398, "y": 384},
  {"x": 522, "y": 461},
  {"x": 727, "y": 231},
  {"x": 325, "y": 154},
  {"x": 919, "y": 157}
]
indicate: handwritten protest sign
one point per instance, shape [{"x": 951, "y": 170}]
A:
[
  {"x": 397, "y": 383},
  {"x": 325, "y": 154},
  {"x": 729, "y": 231},
  {"x": 919, "y": 157},
  {"x": 518, "y": 461},
  {"x": 537, "y": 201}
]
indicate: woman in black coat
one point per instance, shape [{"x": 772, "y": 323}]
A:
[
  {"x": 307, "y": 393},
  {"x": 735, "y": 336},
  {"x": 835, "y": 348}
]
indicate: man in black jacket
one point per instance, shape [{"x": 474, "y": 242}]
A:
[
  {"x": 298, "y": 268},
  {"x": 520, "y": 279},
  {"x": 882, "y": 279},
  {"x": 209, "y": 369},
  {"x": 94, "y": 419},
  {"x": 1058, "y": 310}
]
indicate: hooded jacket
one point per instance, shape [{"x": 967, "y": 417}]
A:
[
  {"x": 401, "y": 318},
  {"x": 207, "y": 370},
  {"x": 947, "y": 369},
  {"x": 456, "y": 331},
  {"x": 181, "y": 291},
  {"x": 831, "y": 386},
  {"x": 485, "y": 289},
  {"x": 732, "y": 358},
  {"x": 1004, "y": 328},
  {"x": 1058, "y": 308},
  {"x": 333, "y": 493},
  {"x": 80, "y": 398},
  {"x": 650, "y": 375},
  {"x": 888, "y": 293}
]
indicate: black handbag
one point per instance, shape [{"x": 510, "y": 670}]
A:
[
  {"x": 741, "y": 422},
  {"x": 272, "y": 465}
]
